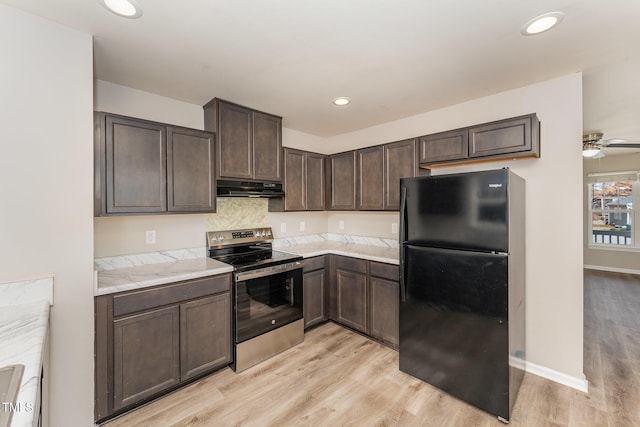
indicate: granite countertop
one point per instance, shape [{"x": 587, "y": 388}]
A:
[
  {"x": 23, "y": 334},
  {"x": 384, "y": 254},
  {"x": 141, "y": 276}
]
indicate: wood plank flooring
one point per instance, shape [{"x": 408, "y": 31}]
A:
[{"x": 339, "y": 378}]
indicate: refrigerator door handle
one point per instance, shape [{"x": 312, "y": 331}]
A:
[
  {"x": 403, "y": 215},
  {"x": 403, "y": 287},
  {"x": 403, "y": 239}
]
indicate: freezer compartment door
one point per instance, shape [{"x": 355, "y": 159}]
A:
[
  {"x": 454, "y": 324},
  {"x": 460, "y": 211}
]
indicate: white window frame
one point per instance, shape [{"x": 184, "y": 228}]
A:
[{"x": 635, "y": 211}]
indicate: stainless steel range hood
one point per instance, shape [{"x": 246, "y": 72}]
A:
[{"x": 249, "y": 189}]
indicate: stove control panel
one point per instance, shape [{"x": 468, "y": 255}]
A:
[{"x": 234, "y": 237}]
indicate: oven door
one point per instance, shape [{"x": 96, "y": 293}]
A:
[{"x": 266, "y": 299}]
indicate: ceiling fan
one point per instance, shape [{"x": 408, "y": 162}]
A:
[{"x": 592, "y": 144}]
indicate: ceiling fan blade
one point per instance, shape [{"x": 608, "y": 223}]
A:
[
  {"x": 622, "y": 145},
  {"x": 618, "y": 142}
]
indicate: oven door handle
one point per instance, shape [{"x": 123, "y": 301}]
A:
[{"x": 267, "y": 271}]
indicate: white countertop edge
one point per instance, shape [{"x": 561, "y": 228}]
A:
[
  {"x": 344, "y": 252},
  {"x": 105, "y": 290},
  {"x": 24, "y": 341}
]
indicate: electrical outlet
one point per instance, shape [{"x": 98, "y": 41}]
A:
[
  {"x": 283, "y": 227},
  {"x": 394, "y": 227},
  {"x": 151, "y": 237},
  {"x": 302, "y": 225},
  {"x": 341, "y": 225}
]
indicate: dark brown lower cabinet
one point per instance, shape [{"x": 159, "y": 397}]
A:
[
  {"x": 152, "y": 340},
  {"x": 314, "y": 291},
  {"x": 351, "y": 293},
  {"x": 205, "y": 335},
  {"x": 365, "y": 296},
  {"x": 146, "y": 350},
  {"x": 384, "y": 299}
]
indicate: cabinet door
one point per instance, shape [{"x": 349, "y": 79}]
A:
[
  {"x": 370, "y": 178},
  {"x": 314, "y": 297},
  {"x": 501, "y": 137},
  {"x": 343, "y": 181},
  {"x": 135, "y": 166},
  {"x": 399, "y": 162},
  {"x": 294, "y": 180},
  {"x": 444, "y": 146},
  {"x": 205, "y": 335},
  {"x": 351, "y": 299},
  {"x": 235, "y": 143},
  {"x": 267, "y": 147},
  {"x": 145, "y": 354},
  {"x": 315, "y": 181},
  {"x": 384, "y": 300},
  {"x": 190, "y": 171}
]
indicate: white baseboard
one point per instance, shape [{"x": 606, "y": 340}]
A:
[
  {"x": 580, "y": 384},
  {"x": 611, "y": 269}
]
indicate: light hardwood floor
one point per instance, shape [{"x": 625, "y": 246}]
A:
[{"x": 339, "y": 378}]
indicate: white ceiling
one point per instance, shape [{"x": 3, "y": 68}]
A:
[{"x": 393, "y": 58}]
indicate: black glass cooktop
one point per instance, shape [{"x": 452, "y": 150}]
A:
[{"x": 244, "y": 258}]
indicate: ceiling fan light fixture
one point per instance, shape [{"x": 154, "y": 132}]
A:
[
  {"x": 542, "y": 23},
  {"x": 125, "y": 8},
  {"x": 590, "y": 149}
]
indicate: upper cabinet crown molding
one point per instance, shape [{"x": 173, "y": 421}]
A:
[
  {"x": 249, "y": 141},
  {"x": 145, "y": 167}
]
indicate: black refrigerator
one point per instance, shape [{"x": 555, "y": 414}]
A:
[{"x": 462, "y": 285}]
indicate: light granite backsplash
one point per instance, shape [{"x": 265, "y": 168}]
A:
[
  {"x": 133, "y": 260},
  {"x": 234, "y": 213},
  {"x": 343, "y": 238}
]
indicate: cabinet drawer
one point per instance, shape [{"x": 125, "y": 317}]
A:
[
  {"x": 156, "y": 297},
  {"x": 385, "y": 271},
  {"x": 315, "y": 263},
  {"x": 351, "y": 264}
]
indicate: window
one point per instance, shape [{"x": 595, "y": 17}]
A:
[{"x": 612, "y": 197}]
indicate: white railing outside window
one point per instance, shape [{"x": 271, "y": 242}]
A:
[{"x": 612, "y": 197}]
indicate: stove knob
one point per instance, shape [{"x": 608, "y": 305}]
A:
[
  {"x": 268, "y": 232},
  {"x": 220, "y": 238}
]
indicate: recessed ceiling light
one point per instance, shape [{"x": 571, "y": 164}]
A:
[
  {"x": 542, "y": 23},
  {"x": 341, "y": 101},
  {"x": 124, "y": 8}
]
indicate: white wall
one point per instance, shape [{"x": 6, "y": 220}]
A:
[
  {"x": 554, "y": 181},
  {"x": 46, "y": 171},
  {"x": 609, "y": 259}
]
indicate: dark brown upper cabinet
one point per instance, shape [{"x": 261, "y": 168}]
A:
[
  {"x": 135, "y": 158},
  {"x": 145, "y": 167},
  {"x": 303, "y": 182},
  {"x": 190, "y": 171},
  {"x": 342, "y": 181},
  {"x": 510, "y": 136},
  {"x": 371, "y": 178},
  {"x": 315, "y": 181},
  {"x": 379, "y": 171},
  {"x": 399, "y": 162},
  {"x": 503, "y": 139},
  {"x": 444, "y": 146},
  {"x": 249, "y": 141}
]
